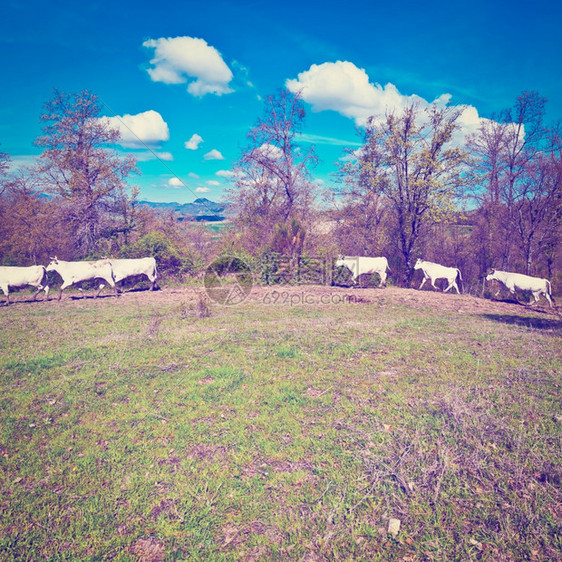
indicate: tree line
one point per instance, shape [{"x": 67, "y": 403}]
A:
[{"x": 414, "y": 188}]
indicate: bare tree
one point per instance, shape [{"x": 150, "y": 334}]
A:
[
  {"x": 537, "y": 204},
  {"x": 31, "y": 228},
  {"x": 80, "y": 168},
  {"x": 519, "y": 163},
  {"x": 273, "y": 188},
  {"x": 4, "y": 166},
  {"x": 409, "y": 160}
]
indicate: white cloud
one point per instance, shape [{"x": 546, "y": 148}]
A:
[
  {"x": 175, "y": 182},
  {"x": 213, "y": 155},
  {"x": 140, "y": 129},
  {"x": 23, "y": 161},
  {"x": 270, "y": 151},
  {"x": 194, "y": 142},
  {"x": 178, "y": 59},
  {"x": 318, "y": 139},
  {"x": 212, "y": 183},
  {"x": 202, "y": 190},
  {"x": 225, "y": 174},
  {"x": 147, "y": 155},
  {"x": 343, "y": 87},
  {"x": 193, "y": 175}
]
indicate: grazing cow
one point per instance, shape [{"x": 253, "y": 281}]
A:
[
  {"x": 34, "y": 275},
  {"x": 127, "y": 268},
  {"x": 359, "y": 265},
  {"x": 513, "y": 281},
  {"x": 436, "y": 271},
  {"x": 77, "y": 271}
]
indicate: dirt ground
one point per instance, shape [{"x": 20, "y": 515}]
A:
[
  {"x": 285, "y": 295},
  {"x": 463, "y": 304}
]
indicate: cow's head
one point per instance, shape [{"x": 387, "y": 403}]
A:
[
  {"x": 418, "y": 264},
  {"x": 53, "y": 264},
  {"x": 491, "y": 275}
]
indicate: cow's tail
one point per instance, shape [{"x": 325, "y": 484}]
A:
[
  {"x": 44, "y": 277},
  {"x": 549, "y": 290},
  {"x": 459, "y": 275},
  {"x": 45, "y": 281},
  {"x": 155, "y": 275}
]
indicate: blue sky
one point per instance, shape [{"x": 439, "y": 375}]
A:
[{"x": 192, "y": 76}]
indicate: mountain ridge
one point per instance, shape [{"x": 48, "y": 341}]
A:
[{"x": 199, "y": 210}]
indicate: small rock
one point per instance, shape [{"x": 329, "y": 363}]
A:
[{"x": 394, "y": 527}]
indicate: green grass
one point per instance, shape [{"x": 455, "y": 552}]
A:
[{"x": 132, "y": 430}]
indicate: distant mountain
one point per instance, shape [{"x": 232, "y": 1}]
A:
[{"x": 201, "y": 209}]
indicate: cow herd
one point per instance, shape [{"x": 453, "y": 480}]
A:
[
  {"x": 112, "y": 271},
  {"x": 73, "y": 272},
  {"x": 360, "y": 265}
]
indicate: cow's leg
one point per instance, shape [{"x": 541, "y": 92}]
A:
[
  {"x": 452, "y": 283},
  {"x": 536, "y": 295},
  {"x": 383, "y": 279},
  {"x": 100, "y": 289},
  {"x": 548, "y": 298},
  {"x": 39, "y": 289},
  {"x": 110, "y": 282},
  {"x": 6, "y": 292},
  {"x": 116, "y": 287},
  {"x": 433, "y": 283},
  {"x": 63, "y": 287},
  {"x": 423, "y": 281}
]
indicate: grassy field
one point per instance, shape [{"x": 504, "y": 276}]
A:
[{"x": 293, "y": 426}]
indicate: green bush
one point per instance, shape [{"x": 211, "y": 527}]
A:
[{"x": 169, "y": 259}]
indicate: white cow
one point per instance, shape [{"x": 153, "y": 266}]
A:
[
  {"x": 127, "y": 268},
  {"x": 34, "y": 275},
  {"x": 359, "y": 265},
  {"x": 513, "y": 281},
  {"x": 436, "y": 271},
  {"x": 77, "y": 271}
]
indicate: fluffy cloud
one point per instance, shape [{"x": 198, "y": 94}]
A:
[
  {"x": 225, "y": 173},
  {"x": 269, "y": 151},
  {"x": 140, "y": 129},
  {"x": 146, "y": 155},
  {"x": 175, "y": 182},
  {"x": 343, "y": 87},
  {"x": 19, "y": 162},
  {"x": 202, "y": 190},
  {"x": 212, "y": 183},
  {"x": 194, "y": 142},
  {"x": 179, "y": 59},
  {"x": 213, "y": 155}
]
